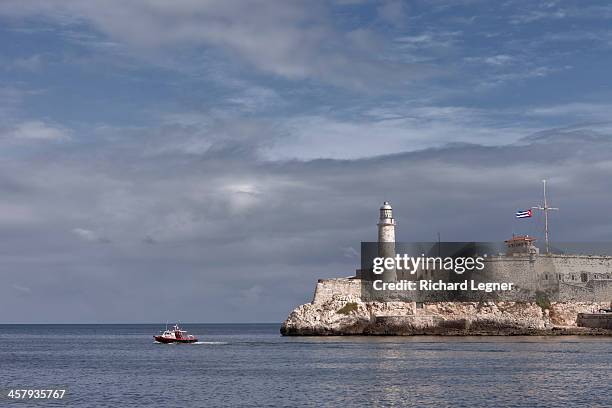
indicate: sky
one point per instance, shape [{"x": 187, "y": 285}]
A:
[{"x": 208, "y": 161}]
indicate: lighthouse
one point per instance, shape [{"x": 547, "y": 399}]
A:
[
  {"x": 386, "y": 224},
  {"x": 386, "y": 238}
]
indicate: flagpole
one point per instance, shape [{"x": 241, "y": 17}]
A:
[
  {"x": 545, "y": 217},
  {"x": 545, "y": 208}
]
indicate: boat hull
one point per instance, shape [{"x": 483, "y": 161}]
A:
[{"x": 161, "y": 339}]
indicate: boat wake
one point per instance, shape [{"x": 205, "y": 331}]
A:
[{"x": 211, "y": 342}]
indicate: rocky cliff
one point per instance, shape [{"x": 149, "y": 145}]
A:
[{"x": 347, "y": 315}]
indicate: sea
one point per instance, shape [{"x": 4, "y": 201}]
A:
[{"x": 252, "y": 365}]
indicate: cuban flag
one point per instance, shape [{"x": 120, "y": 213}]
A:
[{"x": 523, "y": 214}]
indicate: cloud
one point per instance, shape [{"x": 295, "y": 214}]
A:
[
  {"x": 11, "y": 100},
  {"x": 389, "y": 129},
  {"x": 350, "y": 252},
  {"x": 288, "y": 39},
  {"x": 15, "y": 213},
  {"x": 31, "y": 63},
  {"x": 497, "y": 60},
  {"x": 552, "y": 11},
  {"x": 256, "y": 98},
  {"x": 429, "y": 39},
  {"x": 393, "y": 12},
  {"x": 214, "y": 135},
  {"x": 22, "y": 289},
  {"x": 91, "y": 236},
  {"x": 577, "y": 111},
  {"x": 242, "y": 229},
  {"x": 36, "y": 130},
  {"x": 149, "y": 240},
  {"x": 537, "y": 15}
]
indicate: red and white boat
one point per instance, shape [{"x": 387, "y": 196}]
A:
[{"x": 176, "y": 335}]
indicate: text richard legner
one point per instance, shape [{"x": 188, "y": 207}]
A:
[{"x": 429, "y": 285}]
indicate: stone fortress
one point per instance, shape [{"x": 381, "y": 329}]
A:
[{"x": 551, "y": 290}]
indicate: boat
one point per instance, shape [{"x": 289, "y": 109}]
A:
[{"x": 176, "y": 335}]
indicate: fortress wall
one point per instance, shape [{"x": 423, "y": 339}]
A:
[
  {"x": 602, "y": 289},
  {"x": 595, "y": 266},
  {"x": 575, "y": 292},
  {"x": 327, "y": 289},
  {"x": 518, "y": 269},
  {"x": 521, "y": 269},
  {"x": 599, "y": 290},
  {"x": 556, "y": 274}
]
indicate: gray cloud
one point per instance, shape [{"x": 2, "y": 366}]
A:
[
  {"x": 91, "y": 236},
  {"x": 393, "y": 11},
  {"x": 36, "y": 130},
  {"x": 290, "y": 39},
  {"x": 243, "y": 239}
]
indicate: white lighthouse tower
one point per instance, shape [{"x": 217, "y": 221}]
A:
[
  {"x": 386, "y": 224},
  {"x": 386, "y": 238}
]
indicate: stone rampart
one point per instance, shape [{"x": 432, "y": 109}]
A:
[{"x": 333, "y": 289}]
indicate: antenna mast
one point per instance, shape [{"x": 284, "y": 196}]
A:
[{"x": 545, "y": 208}]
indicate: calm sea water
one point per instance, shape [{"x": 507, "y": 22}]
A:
[{"x": 252, "y": 365}]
